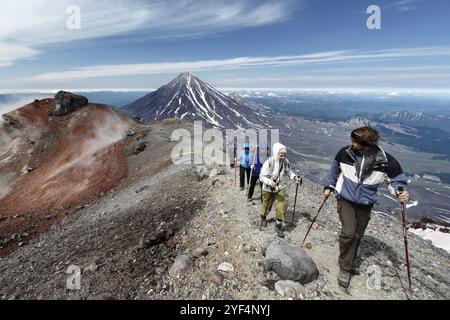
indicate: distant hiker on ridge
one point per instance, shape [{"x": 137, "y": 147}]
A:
[
  {"x": 274, "y": 175},
  {"x": 232, "y": 153},
  {"x": 355, "y": 175},
  {"x": 245, "y": 159}
]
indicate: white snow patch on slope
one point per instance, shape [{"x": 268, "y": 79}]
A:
[
  {"x": 412, "y": 204},
  {"x": 439, "y": 239}
]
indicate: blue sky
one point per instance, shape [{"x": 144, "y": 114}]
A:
[{"x": 230, "y": 44}]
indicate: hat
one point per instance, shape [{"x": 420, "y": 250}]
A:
[{"x": 279, "y": 148}]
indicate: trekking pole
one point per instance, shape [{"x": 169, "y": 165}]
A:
[
  {"x": 260, "y": 191},
  {"x": 314, "y": 220},
  {"x": 405, "y": 237},
  {"x": 295, "y": 201},
  {"x": 235, "y": 164},
  {"x": 251, "y": 172}
]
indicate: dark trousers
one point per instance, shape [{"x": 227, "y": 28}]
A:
[
  {"x": 354, "y": 219},
  {"x": 253, "y": 181},
  {"x": 242, "y": 172}
]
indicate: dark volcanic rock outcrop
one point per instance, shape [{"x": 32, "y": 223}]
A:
[{"x": 66, "y": 102}]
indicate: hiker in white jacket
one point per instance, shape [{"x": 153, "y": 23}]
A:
[{"x": 274, "y": 175}]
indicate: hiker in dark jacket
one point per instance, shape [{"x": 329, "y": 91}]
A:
[
  {"x": 245, "y": 159},
  {"x": 355, "y": 175},
  {"x": 259, "y": 158}
]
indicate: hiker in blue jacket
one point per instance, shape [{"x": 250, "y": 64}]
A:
[
  {"x": 355, "y": 176},
  {"x": 245, "y": 159},
  {"x": 262, "y": 153}
]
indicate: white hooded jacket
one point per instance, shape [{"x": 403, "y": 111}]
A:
[{"x": 271, "y": 171}]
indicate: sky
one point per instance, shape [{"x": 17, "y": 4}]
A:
[{"x": 136, "y": 44}]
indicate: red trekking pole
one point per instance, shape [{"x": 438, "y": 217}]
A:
[{"x": 405, "y": 237}]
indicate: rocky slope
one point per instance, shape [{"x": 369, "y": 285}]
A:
[
  {"x": 55, "y": 162},
  {"x": 127, "y": 242},
  {"x": 154, "y": 230},
  {"x": 228, "y": 229}
]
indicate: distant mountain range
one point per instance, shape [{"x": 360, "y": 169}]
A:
[
  {"x": 422, "y": 132},
  {"x": 187, "y": 97},
  {"x": 414, "y": 118},
  {"x": 405, "y": 119}
]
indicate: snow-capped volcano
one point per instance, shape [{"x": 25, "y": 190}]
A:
[{"x": 187, "y": 97}]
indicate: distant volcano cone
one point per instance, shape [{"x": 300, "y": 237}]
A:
[{"x": 187, "y": 97}]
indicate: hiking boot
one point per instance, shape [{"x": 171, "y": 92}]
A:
[
  {"x": 355, "y": 272},
  {"x": 344, "y": 278},
  {"x": 279, "y": 230},
  {"x": 263, "y": 222}
]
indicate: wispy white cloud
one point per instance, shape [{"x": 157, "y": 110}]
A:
[
  {"x": 404, "y": 5},
  {"x": 342, "y": 70},
  {"x": 27, "y": 26},
  {"x": 10, "y": 52},
  {"x": 336, "y": 79},
  {"x": 331, "y": 57}
]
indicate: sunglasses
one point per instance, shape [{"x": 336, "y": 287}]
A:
[{"x": 359, "y": 140}]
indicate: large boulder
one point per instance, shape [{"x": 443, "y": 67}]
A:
[
  {"x": 290, "y": 262},
  {"x": 66, "y": 102}
]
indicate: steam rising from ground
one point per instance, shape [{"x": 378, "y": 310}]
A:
[
  {"x": 85, "y": 155},
  {"x": 108, "y": 131},
  {"x": 6, "y": 182},
  {"x": 9, "y": 102}
]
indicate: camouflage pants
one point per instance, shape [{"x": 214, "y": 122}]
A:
[{"x": 280, "y": 206}]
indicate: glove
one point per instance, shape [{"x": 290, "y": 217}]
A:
[
  {"x": 403, "y": 196},
  {"x": 327, "y": 193},
  {"x": 273, "y": 184},
  {"x": 298, "y": 179},
  {"x": 252, "y": 166}
]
